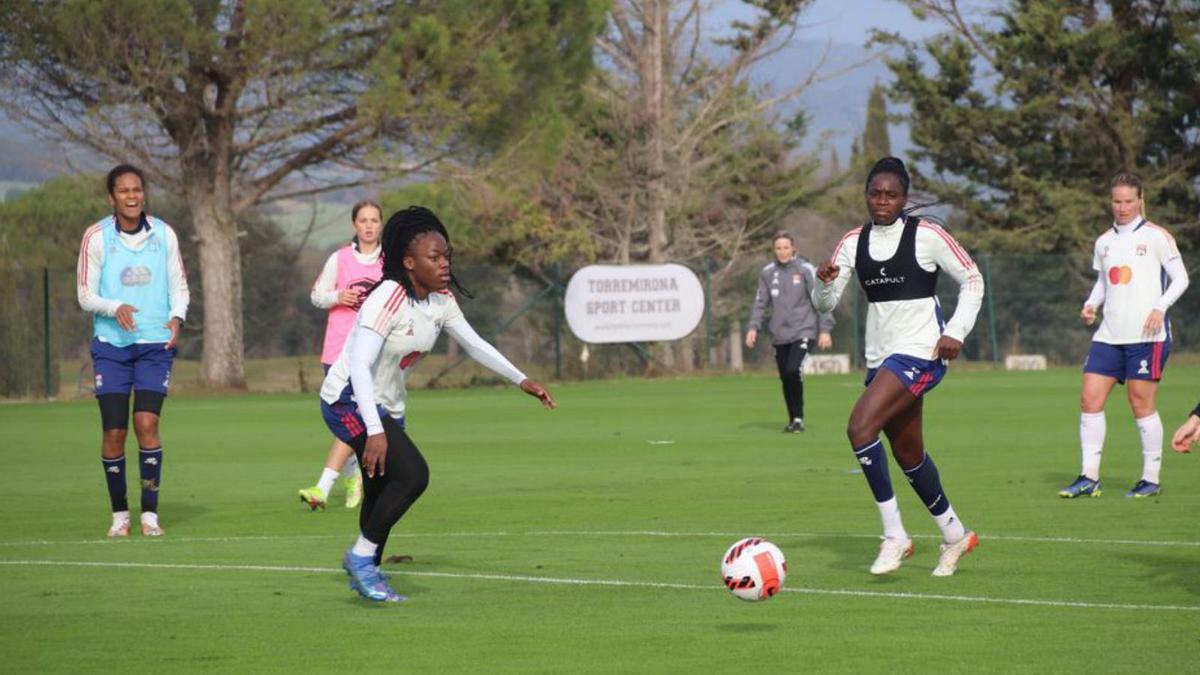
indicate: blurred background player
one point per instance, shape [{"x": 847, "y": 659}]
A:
[
  {"x": 786, "y": 285},
  {"x": 897, "y": 259},
  {"x": 131, "y": 278},
  {"x": 343, "y": 284},
  {"x": 1131, "y": 346},
  {"x": 363, "y": 397}
]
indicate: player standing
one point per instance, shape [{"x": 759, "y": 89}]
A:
[
  {"x": 897, "y": 259},
  {"x": 343, "y": 284},
  {"x": 364, "y": 395},
  {"x": 131, "y": 278},
  {"x": 1133, "y": 259},
  {"x": 786, "y": 286}
]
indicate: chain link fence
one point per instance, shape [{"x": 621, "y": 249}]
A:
[{"x": 1031, "y": 307}]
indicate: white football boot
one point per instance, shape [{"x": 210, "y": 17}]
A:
[
  {"x": 952, "y": 553},
  {"x": 892, "y": 552}
]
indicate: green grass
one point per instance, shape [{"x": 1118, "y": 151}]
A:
[{"x": 520, "y": 497}]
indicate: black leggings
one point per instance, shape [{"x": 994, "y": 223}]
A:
[
  {"x": 789, "y": 358},
  {"x": 387, "y": 497}
]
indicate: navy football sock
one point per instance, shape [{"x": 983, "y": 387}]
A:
[
  {"x": 150, "y": 463},
  {"x": 927, "y": 483},
  {"x": 114, "y": 475},
  {"x": 874, "y": 466}
]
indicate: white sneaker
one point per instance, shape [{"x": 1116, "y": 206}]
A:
[
  {"x": 120, "y": 525},
  {"x": 952, "y": 553},
  {"x": 892, "y": 552},
  {"x": 150, "y": 527}
]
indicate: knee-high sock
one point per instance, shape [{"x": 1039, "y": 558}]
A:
[
  {"x": 1092, "y": 428},
  {"x": 150, "y": 466},
  {"x": 927, "y": 483},
  {"x": 1151, "y": 430},
  {"x": 114, "y": 476},
  {"x": 873, "y": 460}
]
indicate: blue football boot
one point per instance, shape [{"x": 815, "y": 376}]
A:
[
  {"x": 366, "y": 580},
  {"x": 1082, "y": 487},
  {"x": 1143, "y": 489}
]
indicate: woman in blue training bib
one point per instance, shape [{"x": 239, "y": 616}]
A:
[{"x": 896, "y": 258}]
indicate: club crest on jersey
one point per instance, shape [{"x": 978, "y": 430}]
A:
[
  {"x": 1142, "y": 368},
  {"x": 795, "y": 279},
  {"x": 1141, "y": 249}
]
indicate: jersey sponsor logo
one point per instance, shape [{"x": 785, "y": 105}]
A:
[
  {"x": 1119, "y": 275},
  {"x": 362, "y": 285},
  {"x": 410, "y": 359},
  {"x": 136, "y": 276},
  {"x": 883, "y": 279}
]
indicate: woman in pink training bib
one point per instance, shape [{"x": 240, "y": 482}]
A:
[
  {"x": 347, "y": 276},
  {"x": 1133, "y": 260}
]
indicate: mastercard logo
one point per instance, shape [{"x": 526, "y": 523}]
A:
[{"x": 1119, "y": 274}]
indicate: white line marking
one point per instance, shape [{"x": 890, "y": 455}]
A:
[
  {"x": 604, "y": 582},
  {"x": 599, "y": 533}
]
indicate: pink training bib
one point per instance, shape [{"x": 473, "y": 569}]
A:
[{"x": 351, "y": 274}]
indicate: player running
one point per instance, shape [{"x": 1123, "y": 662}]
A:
[
  {"x": 363, "y": 396},
  {"x": 1133, "y": 259},
  {"x": 341, "y": 288},
  {"x": 897, "y": 259}
]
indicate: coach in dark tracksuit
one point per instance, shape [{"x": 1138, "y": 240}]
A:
[{"x": 787, "y": 284}]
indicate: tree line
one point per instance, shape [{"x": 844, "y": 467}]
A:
[{"x": 554, "y": 133}]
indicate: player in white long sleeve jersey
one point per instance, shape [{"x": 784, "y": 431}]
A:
[
  {"x": 1133, "y": 259},
  {"x": 341, "y": 288},
  {"x": 896, "y": 259},
  {"x": 363, "y": 398},
  {"x": 131, "y": 278}
]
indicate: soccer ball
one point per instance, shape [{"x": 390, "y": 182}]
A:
[{"x": 753, "y": 569}]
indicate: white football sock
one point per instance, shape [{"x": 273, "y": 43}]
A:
[
  {"x": 1151, "y": 430},
  {"x": 364, "y": 547},
  {"x": 1091, "y": 440},
  {"x": 952, "y": 528},
  {"x": 120, "y": 517},
  {"x": 350, "y": 467},
  {"x": 328, "y": 476},
  {"x": 889, "y": 513}
]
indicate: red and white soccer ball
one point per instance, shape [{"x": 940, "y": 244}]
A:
[{"x": 753, "y": 569}]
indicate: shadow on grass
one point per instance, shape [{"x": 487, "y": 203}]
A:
[
  {"x": 1166, "y": 571},
  {"x": 746, "y": 627}
]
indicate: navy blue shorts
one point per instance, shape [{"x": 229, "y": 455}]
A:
[
  {"x": 138, "y": 367},
  {"x": 343, "y": 419},
  {"x": 919, "y": 375},
  {"x": 1141, "y": 361}
]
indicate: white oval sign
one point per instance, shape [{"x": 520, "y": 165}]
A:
[{"x": 633, "y": 303}]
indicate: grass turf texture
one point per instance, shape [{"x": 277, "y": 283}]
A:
[{"x": 637, "y": 481}]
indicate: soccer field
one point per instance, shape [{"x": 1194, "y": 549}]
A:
[{"x": 588, "y": 539}]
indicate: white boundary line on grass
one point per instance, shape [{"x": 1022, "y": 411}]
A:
[
  {"x": 606, "y": 582},
  {"x": 607, "y": 533}
]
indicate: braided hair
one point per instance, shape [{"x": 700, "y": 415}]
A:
[
  {"x": 893, "y": 166},
  {"x": 401, "y": 230}
]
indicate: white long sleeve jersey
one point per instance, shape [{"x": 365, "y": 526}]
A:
[
  {"x": 391, "y": 334},
  {"x": 908, "y": 327}
]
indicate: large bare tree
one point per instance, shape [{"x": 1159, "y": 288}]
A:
[{"x": 229, "y": 103}]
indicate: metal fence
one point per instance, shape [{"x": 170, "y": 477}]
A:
[{"x": 1031, "y": 307}]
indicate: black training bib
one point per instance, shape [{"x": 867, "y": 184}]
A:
[{"x": 900, "y": 277}]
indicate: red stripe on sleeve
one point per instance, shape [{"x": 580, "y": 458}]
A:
[
  {"x": 838, "y": 249},
  {"x": 959, "y": 253}
]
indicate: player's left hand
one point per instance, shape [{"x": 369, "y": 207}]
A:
[
  {"x": 824, "y": 341},
  {"x": 536, "y": 390},
  {"x": 173, "y": 324},
  {"x": 1154, "y": 323},
  {"x": 947, "y": 348}
]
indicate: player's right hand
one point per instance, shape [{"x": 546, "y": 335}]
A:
[
  {"x": 1088, "y": 314},
  {"x": 375, "y": 455},
  {"x": 125, "y": 317},
  {"x": 348, "y": 297},
  {"x": 751, "y": 338},
  {"x": 828, "y": 271}
]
